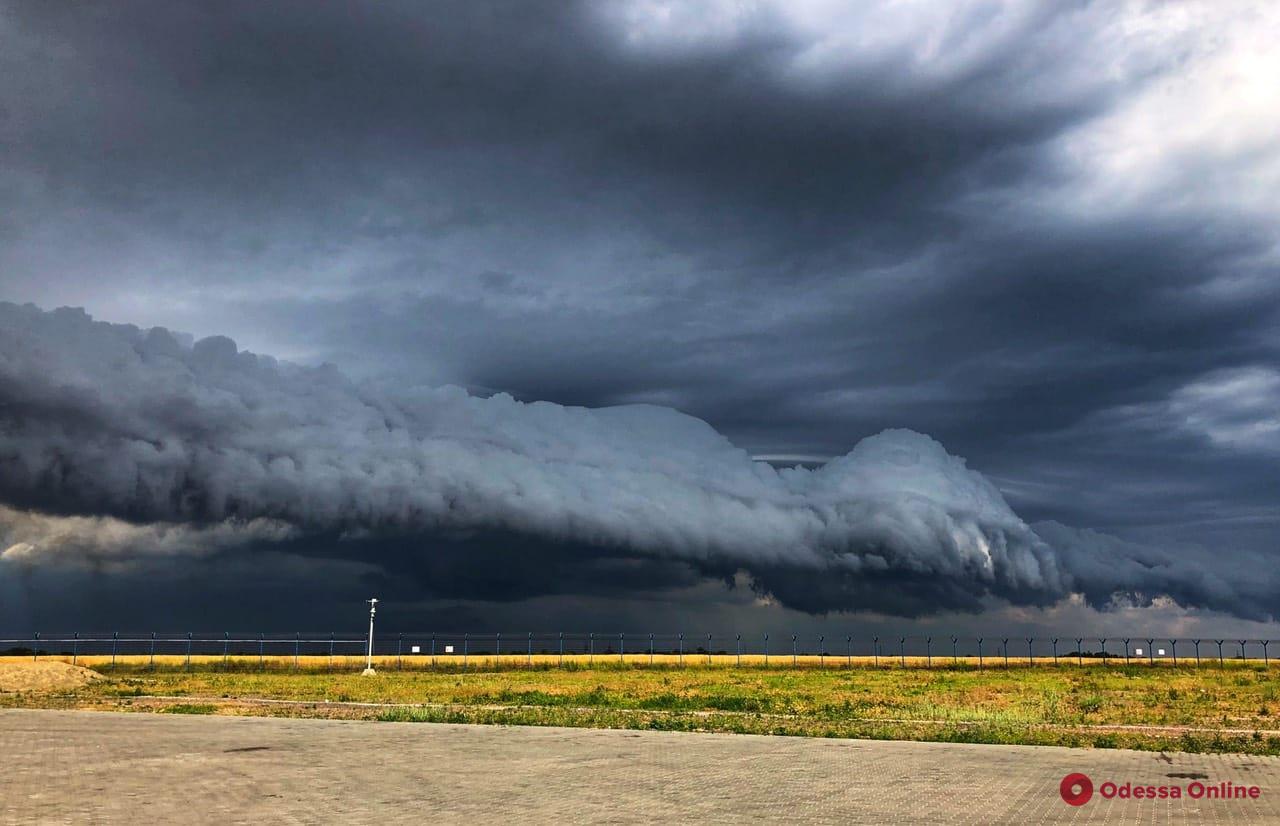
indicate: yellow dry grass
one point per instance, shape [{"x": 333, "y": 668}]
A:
[
  {"x": 1208, "y": 708},
  {"x": 25, "y": 675}
]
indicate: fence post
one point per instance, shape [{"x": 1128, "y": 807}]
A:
[
  {"x": 153, "y": 651},
  {"x": 188, "y": 663},
  {"x": 115, "y": 640},
  {"x": 75, "y": 648}
]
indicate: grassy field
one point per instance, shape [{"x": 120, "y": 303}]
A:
[
  {"x": 518, "y": 660},
  {"x": 1180, "y": 708}
]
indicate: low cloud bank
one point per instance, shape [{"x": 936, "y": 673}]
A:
[
  {"x": 103, "y": 420},
  {"x": 107, "y": 543},
  {"x": 1105, "y": 568}
]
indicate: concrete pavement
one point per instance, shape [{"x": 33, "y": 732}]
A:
[{"x": 75, "y": 767}]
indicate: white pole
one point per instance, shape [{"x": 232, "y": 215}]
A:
[{"x": 368, "y": 663}]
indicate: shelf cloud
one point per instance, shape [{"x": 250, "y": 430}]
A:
[{"x": 118, "y": 425}]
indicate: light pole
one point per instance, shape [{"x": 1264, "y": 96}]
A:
[{"x": 368, "y": 663}]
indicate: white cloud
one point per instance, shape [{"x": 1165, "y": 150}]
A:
[
  {"x": 33, "y": 538},
  {"x": 1232, "y": 408},
  {"x": 1201, "y": 133},
  {"x": 1036, "y": 53}
]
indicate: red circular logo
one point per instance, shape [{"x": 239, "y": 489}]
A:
[{"x": 1073, "y": 782}]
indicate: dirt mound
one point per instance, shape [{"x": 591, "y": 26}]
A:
[{"x": 44, "y": 677}]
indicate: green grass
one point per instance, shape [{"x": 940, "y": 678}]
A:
[
  {"x": 190, "y": 708},
  {"x": 1232, "y": 709}
]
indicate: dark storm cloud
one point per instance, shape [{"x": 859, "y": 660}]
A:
[
  {"x": 488, "y": 498},
  {"x": 1042, "y": 233},
  {"x": 103, "y": 418},
  {"x": 237, "y": 87}
]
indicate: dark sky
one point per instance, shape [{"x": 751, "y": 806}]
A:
[{"x": 1043, "y": 234}]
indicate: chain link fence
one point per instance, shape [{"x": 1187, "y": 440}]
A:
[{"x": 427, "y": 649}]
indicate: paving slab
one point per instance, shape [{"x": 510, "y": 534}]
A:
[{"x": 78, "y": 767}]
